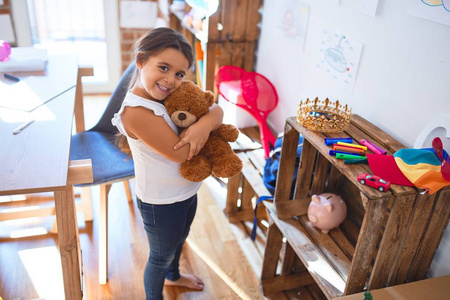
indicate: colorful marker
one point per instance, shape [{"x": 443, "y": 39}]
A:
[
  {"x": 347, "y": 156},
  {"x": 370, "y": 146},
  {"x": 379, "y": 149},
  {"x": 334, "y": 152},
  {"x": 331, "y": 141},
  {"x": 356, "y": 161},
  {"x": 347, "y": 149},
  {"x": 352, "y": 145}
]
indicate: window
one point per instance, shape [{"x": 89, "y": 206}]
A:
[{"x": 77, "y": 27}]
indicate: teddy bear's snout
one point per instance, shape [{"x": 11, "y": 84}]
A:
[{"x": 183, "y": 118}]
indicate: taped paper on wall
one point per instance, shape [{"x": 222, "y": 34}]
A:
[
  {"x": 138, "y": 14},
  {"x": 337, "y": 57}
]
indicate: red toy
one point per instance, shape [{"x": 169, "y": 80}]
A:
[
  {"x": 374, "y": 181},
  {"x": 252, "y": 92}
]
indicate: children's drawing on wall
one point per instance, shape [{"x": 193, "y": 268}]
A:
[
  {"x": 433, "y": 10},
  {"x": 288, "y": 24},
  {"x": 338, "y": 58},
  {"x": 293, "y": 20},
  {"x": 444, "y": 3},
  {"x": 335, "y": 58}
]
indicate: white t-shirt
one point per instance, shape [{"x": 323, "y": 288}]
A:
[{"x": 158, "y": 179}]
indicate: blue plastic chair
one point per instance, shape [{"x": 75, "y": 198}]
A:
[{"x": 109, "y": 164}]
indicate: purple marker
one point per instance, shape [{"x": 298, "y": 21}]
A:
[
  {"x": 372, "y": 147},
  {"x": 384, "y": 152}
]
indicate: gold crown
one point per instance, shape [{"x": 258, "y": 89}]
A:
[{"x": 323, "y": 116}]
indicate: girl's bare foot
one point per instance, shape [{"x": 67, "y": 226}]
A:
[{"x": 187, "y": 280}]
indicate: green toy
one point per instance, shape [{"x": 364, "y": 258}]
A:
[{"x": 367, "y": 296}]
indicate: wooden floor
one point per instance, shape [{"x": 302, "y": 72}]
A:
[{"x": 30, "y": 266}]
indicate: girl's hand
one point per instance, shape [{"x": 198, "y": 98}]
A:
[{"x": 196, "y": 136}]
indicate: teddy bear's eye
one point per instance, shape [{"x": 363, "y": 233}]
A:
[{"x": 189, "y": 110}]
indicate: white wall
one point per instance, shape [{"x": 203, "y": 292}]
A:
[{"x": 403, "y": 80}]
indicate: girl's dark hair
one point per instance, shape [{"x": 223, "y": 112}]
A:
[{"x": 150, "y": 44}]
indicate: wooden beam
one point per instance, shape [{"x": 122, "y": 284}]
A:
[
  {"x": 271, "y": 253},
  {"x": 79, "y": 106},
  {"x": 295, "y": 207},
  {"x": 80, "y": 171},
  {"x": 103, "y": 234},
  {"x": 69, "y": 243},
  {"x": 287, "y": 282},
  {"x": 246, "y": 215}
]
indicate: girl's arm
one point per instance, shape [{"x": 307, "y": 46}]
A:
[
  {"x": 141, "y": 123},
  {"x": 197, "y": 134}
]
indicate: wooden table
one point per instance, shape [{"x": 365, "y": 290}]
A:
[{"x": 37, "y": 160}]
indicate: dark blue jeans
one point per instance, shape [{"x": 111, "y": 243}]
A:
[{"x": 167, "y": 227}]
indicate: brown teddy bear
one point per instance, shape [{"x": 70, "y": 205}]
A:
[{"x": 186, "y": 105}]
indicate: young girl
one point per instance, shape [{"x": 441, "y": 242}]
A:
[{"x": 166, "y": 200}]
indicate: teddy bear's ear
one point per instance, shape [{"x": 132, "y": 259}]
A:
[{"x": 209, "y": 96}]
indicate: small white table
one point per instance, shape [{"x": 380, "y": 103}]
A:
[{"x": 37, "y": 160}]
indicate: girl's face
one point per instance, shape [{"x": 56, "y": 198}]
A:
[{"x": 160, "y": 75}]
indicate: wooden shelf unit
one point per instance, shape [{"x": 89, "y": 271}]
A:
[
  {"x": 229, "y": 38},
  {"x": 244, "y": 189},
  {"x": 387, "y": 238}
]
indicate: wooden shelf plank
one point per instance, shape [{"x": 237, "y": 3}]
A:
[
  {"x": 316, "y": 139},
  {"x": 253, "y": 176},
  {"x": 328, "y": 271},
  {"x": 328, "y": 247}
]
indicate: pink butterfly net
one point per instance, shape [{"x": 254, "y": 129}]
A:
[{"x": 252, "y": 92}]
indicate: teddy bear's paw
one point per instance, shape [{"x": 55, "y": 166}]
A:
[
  {"x": 228, "y": 132},
  {"x": 197, "y": 169},
  {"x": 231, "y": 167}
]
